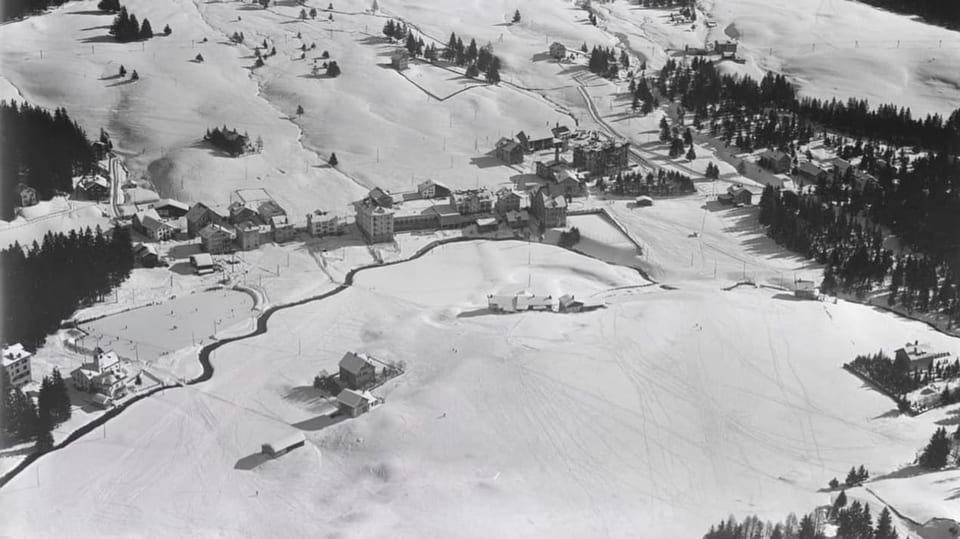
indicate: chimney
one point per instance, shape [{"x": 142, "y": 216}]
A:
[{"x": 556, "y": 152}]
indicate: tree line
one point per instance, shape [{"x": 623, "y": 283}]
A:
[
  {"x": 42, "y": 150},
  {"x": 936, "y": 454},
  {"x": 21, "y": 420},
  {"x": 476, "y": 59},
  {"x": 853, "y": 521},
  {"x": 45, "y": 284},
  {"x": 16, "y": 9},
  {"x": 941, "y": 11}
]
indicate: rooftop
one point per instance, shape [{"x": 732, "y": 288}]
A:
[
  {"x": 13, "y": 353},
  {"x": 350, "y": 398},
  {"x": 354, "y": 362}
]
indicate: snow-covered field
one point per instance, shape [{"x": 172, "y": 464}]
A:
[{"x": 698, "y": 402}]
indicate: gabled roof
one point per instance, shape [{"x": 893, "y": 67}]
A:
[
  {"x": 353, "y": 362},
  {"x": 201, "y": 259},
  {"x": 810, "y": 168},
  {"x": 507, "y": 144},
  {"x": 350, "y": 398},
  {"x": 269, "y": 209},
  {"x": 214, "y": 229},
  {"x": 552, "y": 201},
  {"x": 171, "y": 203},
  {"x": 774, "y": 154},
  {"x": 139, "y": 195}
]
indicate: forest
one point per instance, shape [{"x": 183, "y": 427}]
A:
[
  {"x": 40, "y": 149},
  {"x": 45, "y": 284},
  {"x": 945, "y": 12},
  {"x": 15, "y": 9},
  {"x": 853, "y": 521}
]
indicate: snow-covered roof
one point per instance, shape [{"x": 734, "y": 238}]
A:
[
  {"x": 139, "y": 195},
  {"x": 171, "y": 203},
  {"x": 353, "y": 362},
  {"x": 287, "y": 441},
  {"x": 14, "y": 352},
  {"x": 350, "y": 398},
  {"x": 201, "y": 260}
]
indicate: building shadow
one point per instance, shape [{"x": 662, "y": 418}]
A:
[
  {"x": 486, "y": 161},
  {"x": 474, "y": 313},
  {"x": 320, "y": 422},
  {"x": 251, "y": 461}
]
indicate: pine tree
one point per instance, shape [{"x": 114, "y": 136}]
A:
[
  {"x": 885, "y": 529},
  {"x": 123, "y": 71},
  {"x": 61, "y": 403},
  {"x": 134, "y": 75},
  {"x": 472, "y": 71},
  {"x": 167, "y": 31},
  {"x": 851, "y": 477},
  {"x": 299, "y": 110},
  {"x": 313, "y": 13},
  {"x": 516, "y": 16},
  {"x": 375, "y": 7},
  {"x": 333, "y": 160},
  {"x": 934, "y": 455},
  {"x": 691, "y": 154},
  {"x": 388, "y": 28},
  {"x": 493, "y": 74},
  {"x": 665, "y": 135},
  {"x": 146, "y": 31},
  {"x": 333, "y": 70}
]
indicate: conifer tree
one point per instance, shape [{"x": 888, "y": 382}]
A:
[
  {"x": 935, "y": 454},
  {"x": 167, "y": 31},
  {"x": 333, "y": 161},
  {"x": 146, "y": 31},
  {"x": 516, "y": 16},
  {"x": 885, "y": 529}
]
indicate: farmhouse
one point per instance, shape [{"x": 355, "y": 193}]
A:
[
  {"x": 803, "y": 289},
  {"x": 776, "y": 161},
  {"x": 508, "y": 151},
  {"x": 400, "y": 59},
  {"x": 550, "y": 210},
  {"x": 27, "y": 195},
  {"x": 643, "y": 201},
  {"x": 202, "y": 263},
  {"x": 283, "y": 445},
  {"x": 736, "y": 194},
  {"x": 919, "y": 355},
  {"x": 537, "y": 142},
  {"x": 93, "y": 187},
  {"x": 150, "y": 224},
  {"x": 811, "y": 173},
  {"x": 356, "y": 371},
  {"x": 16, "y": 361},
  {"x": 352, "y": 403},
  {"x": 558, "y": 50},
  {"x": 726, "y": 49},
  {"x": 517, "y": 219},
  {"x": 511, "y": 200},
  {"x": 146, "y": 255},
  {"x": 433, "y": 189},
  {"x": 249, "y": 234},
  {"x": 201, "y": 215},
  {"x": 104, "y": 374},
  {"x": 216, "y": 239},
  {"x": 324, "y": 223},
  {"x": 139, "y": 196},
  {"x": 486, "y": 224}
]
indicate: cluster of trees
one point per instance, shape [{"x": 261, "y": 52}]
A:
[
  {"x": 936, "y": 454},
  {"x": 677, "y": 143},
  {"x": 664, "y": 182},
  {"x": 605, "y": 62},
  {"x": 46, "y": 283},
  {"x": 853, "y": 522},
  {"x": 15, "y": 9},
  {"x": 40, "y": 149},
  {"x": 126, "y": 27},
  {"x": 21, "y": 420},
  {"x": 943, "y": 11},
  {"x": 569, "y": 238},
  {"x": 893, "y": 375},
  {"x": 231, "y": 141},
  {"x": 643, "y": 98},
  {"x": 476, "y": 59},
  {"x": 712, "y": 172}
]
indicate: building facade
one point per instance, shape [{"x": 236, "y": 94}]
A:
[
  {"x": 374, "y": 220},
  {"x": 472, "y": 201},
  {"x": 356, "y": 371},
  {"x": 16, "y": 361},
  {"x": 550, "y": 210},
  {"x": 600, "y": 158},
  {"x": 322, "y": 223}
]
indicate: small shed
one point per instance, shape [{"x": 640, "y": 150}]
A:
[
  {"x": 352, "y": 403},
  {"x": 805, "y": 289},
  {"x": 283, "y": 445},
  {"x": 400, "y": 59},
  {"x": 202, "y": 263},
  {"x": 486, "y": 224}
]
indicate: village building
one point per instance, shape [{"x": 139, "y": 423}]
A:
[
  {"x": 517, "y": 218},
  {"x": 601, "y": 158},
  {"x": 550, "y": 210},
  {"x": 94, "y": 188},
  {"x": 356, "y": 371},
  {"x": 415, "y": 215},
  {"x": 804, "y": 289},
  {"x": 202, "y": 263},
  {"x": 726, "y": 49},
  {"x": 487, "y": 224},
  {"x": 562, "y": 133},
  {"x": 566, "y": 184},
  {"x": 643, "y": 201},
  {"x": 400, "y": 59},
  {"x": 558, "y": 50},
  {"x": 374, "y": 220},
  {"x": 811, "y": 173},
  {"x": 249, "y": 235},
  {"x": 168, "y": 208},
  {"x": 920, "y": 356},
  {"x": 472, "y": 201},
  {"x": 450, "y": 217},
  {"x": 508, "y": 151},
  {"x": 736, "y": 195},
  {"x": 27, "y": 195},
  {"x": 217, "y": 239},
  {"x": 276, "y": 217},
  {"x": 776, "y": 161},
  {"x": 383, "y": 198},
  {"x": 201, "y": 215},
  {"x": 16, "y": 361},
  {"x": 150, "y": 224},
  {"x": 104, "y": 374},
  {"x": 511, "y": 200},
  {"x": 146, "y": 255},
  {"x": 536, "y": 142},
  {"x": 138, "y": 196},
  {"x": 323, "y": 223},
  {"x": 352, "y": 404},
  {"x": 433, "y": 189}
]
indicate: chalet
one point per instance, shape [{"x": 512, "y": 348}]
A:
[
  {"x": 726, "y": 49},
  {"x": 95, "y": 188},
  {"x": 374, "y": 220},
  {"x": 26, "y": 195},
  {"x": 150, "y": 224},
  {"x": 643, "y": 201},
  {"x": 736, "y": 195},
  {"x": 16, "y": 361},
  {"x": 517, "y": 218},
  {"x": 146, "y": 255},
  {"x": 201, "y": 215},
  {"x": 400, "y": 59},
  {"x": 434, "y": 189},
  {"x": 776, "y": 161},
  {"x": 356, "y": 371},
  {"x": 508, "y": 151},
  {"x": 811, "y": 173},
  {"x": 383, "y": 198},
  {"x": 919, "y": 355},
  {"x": 276, "y": 217},
  {"x": 803, "y": 289},
  {"x": 202, "y": 263},
  {"x": 486, "y": 224},
  {"x": 352, "y": 403},
  {"x": 102, "y": 401},
  {"x": 324, "y": 223},
  {"x": 601, "y": 157},
  {"x": 550, "y": 210},
  {"x": 169, "y": 208},
  {"x": 558, "y": 50},
  {"x": 511, "y": 200},
  {"x": 567, "y": 184},
  {"x": 535, "y": 143},
  {"x": 561, "y": 132},
  {"x": 250, "y": 234},
  {"x": 284, "y": 445},
  {"x": 472, "y": 201},
  {"x": 217, "y": 239}
]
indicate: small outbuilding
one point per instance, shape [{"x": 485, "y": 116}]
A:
[
  {"x": 486, "y": 224},
  {"x": 202, "y": 263},
  {"x": 400, "y": 59},
  {"x": 352, "y": 403},
  {"x": 803, "y": 289},
  {"x": 643, "y": 201},
  {"x": 284, "y": 445}
]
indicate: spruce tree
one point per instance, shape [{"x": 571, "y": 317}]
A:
[
  {"x": 493, "y": 74},
  {"x": 516, "y": 16},
  {"x": 167, "y": 31},
  {"x": 691, "y": 154},
  {"x": 885, "y": 529},
  {"x": 333, "y": 161},
  {"x": 935, "y": 454}
]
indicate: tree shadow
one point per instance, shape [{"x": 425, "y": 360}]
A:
[
  {"x": 954, "y": 418},
  {"x": 787, "y": 297},
  {"x": 121, "y": 83},
  {"x": 101, "y": 27},
  {"x": 308, "y": 396},
  {"x": 912, "y": 470},
  {"x": 111, "y": 77},
  {"x": 540, "y": 57},
  {"x": 182, "y": 268},
  {"x": 101, "y": 39},
  {"x": 89, "y": 12}
]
